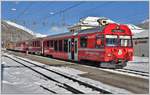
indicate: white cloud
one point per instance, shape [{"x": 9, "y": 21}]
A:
[
  {"x": 57, "y": 29},
  {"x": 51, "y": 13},
  {"x": 39, "y": 35},
  {"x": 16, "y": 2},
  {"x": 13, "y": 9}
]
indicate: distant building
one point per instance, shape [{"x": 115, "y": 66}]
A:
[
  {"x": 141, "y": 43},
  {"x": 87, "y": 23}
]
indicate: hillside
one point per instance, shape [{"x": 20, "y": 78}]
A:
[
  {"x": 12, "y": 32},
  {"x": 144, "y": 24}
]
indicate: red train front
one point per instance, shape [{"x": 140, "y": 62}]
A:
[
  {"x": 110, "y": 45},
  {"x": 118, "y": 45}
]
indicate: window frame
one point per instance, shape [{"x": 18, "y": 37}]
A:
[
  {"x": 102, "y": 37},
  {"x": 84, "y": 37}
]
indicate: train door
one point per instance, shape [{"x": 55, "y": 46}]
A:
[
  {"x": 69, "y": 49},
  {"x": 72, "y": 48},
  {"x": 42, "y": 47},
  {"x": 76, "y": 49}
]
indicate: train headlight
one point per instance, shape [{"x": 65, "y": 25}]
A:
[{"x": 109, "y": 54}]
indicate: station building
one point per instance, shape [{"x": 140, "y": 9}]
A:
[{"x": 141, "y": 43}]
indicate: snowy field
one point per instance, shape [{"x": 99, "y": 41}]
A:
[
  {"x": 20, "y": 80},
  {"x": 139, "y": 64}
]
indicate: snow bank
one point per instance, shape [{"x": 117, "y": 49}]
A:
[{"x": 134, "y": 28}]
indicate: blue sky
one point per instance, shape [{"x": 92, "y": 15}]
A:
[{"x": 48, "y": 17}]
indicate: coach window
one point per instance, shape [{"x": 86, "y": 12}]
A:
[
  {"x": 33, "y": 44},
  {"x": 83, "y": 41},
  {"x": 51, "y": 43},
  {"x": 76, "y": 46},
  {"x": 99, "y": 41},
  {"x": 55, "y": 45},
  {"x": 65, "y": 45},
  {"x": 47, "y": 43},
  {"x": 38, "y": 43},
  {"x": 60, "y": 45}
]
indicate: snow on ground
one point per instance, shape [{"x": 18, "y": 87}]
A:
[
  {"x": 67, "y": 70},
  {"x": 99, "y": 84},
  {"x": 19, "y": 80},
  {"x": 140, "y": 59},
  {"x": 14, "y": 78},
  {"x": 70, "y": 72},
  {"x": 139, "y": 64}
]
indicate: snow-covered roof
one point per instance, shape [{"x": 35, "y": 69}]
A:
[
  {"x": 135, "y": 29},
  {"x": 92, "y": 21},
  {"x": 132, "y": 26},
  {"x": 24, "y": 28},
  {"x": 143, "y": 34}
]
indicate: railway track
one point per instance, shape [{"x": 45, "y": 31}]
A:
[
  {"x": 141, "y": 73},
  {"x": 61, "y": 80},
  {"x": 131, "y": 71}
]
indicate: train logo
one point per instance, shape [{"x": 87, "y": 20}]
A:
[{"x": 119, "y": 52}]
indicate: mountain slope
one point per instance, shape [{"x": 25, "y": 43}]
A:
[
  {"x": 144, "y": 24},
  {"x": 24, "y": 28},
  {"x": 13, "y": 34}
]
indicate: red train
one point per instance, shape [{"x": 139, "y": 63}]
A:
[{"x": 110, "y": 45}]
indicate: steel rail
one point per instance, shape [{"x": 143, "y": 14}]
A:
[
  {"x": 136, "y": 71},
  {"x": 132, "y": 72}
]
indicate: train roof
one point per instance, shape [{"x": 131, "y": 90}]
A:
[{"x": 91, "y": 30}]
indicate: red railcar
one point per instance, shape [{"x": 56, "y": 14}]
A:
[
  {"x": 110, "y": 45},
  {"x": 35, "y": 46},
  {"x": 21, "y": 46}
]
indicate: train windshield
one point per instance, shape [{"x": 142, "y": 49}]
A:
[
  {"x": 111, "y": 40},
  {"x": 125, "y": 41}
]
